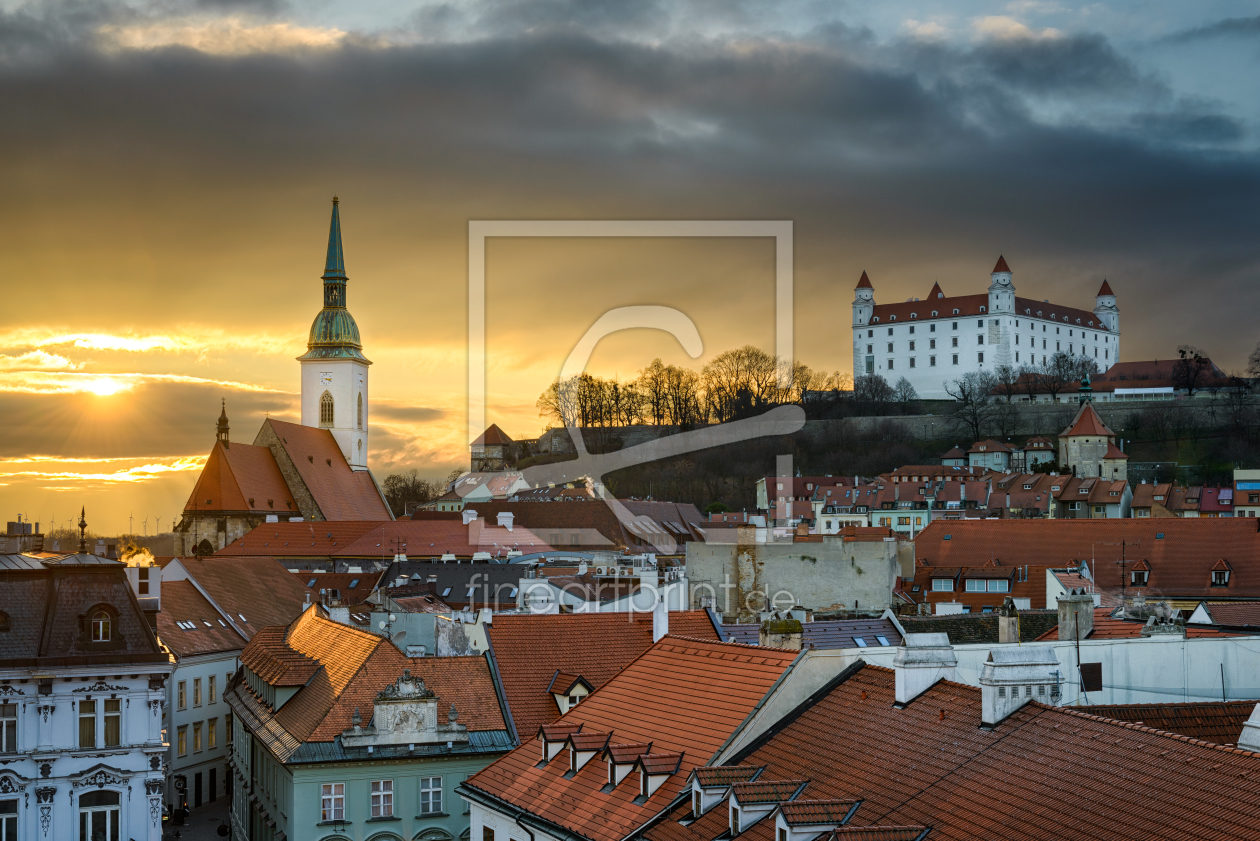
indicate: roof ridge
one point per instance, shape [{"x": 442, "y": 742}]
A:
[{"x": 729, "y": 644}]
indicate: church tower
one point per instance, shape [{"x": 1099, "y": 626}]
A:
[
  {"x": 1105, "y": 307},
  {"x": 1001, "y": 289},
  {"x": 863, "y": 309},
  {"x": 334, "y": 369}
]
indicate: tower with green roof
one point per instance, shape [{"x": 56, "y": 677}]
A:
[{"x": 334, "y": 369}]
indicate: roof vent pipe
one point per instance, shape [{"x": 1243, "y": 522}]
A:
[{"x": 921, "y": 661}]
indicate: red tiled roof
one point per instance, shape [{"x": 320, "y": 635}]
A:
[
  {"x": 364, "y": 583},
  {"x": 989, "y": 446},
  {"x": 1042, "y": 772},
  {"x": 1107, "y": 626},
  {"x": 723, "y": 683},
  {"x": 879, "y": 833},
  {"x": 1181, "y": 560},
  {"x": 816, "y": 812},
  {"x": 529, "y": 648},
  {"x": 241, "y": 477},
  {"x": 1219, "y": 722},
  {"x": 182, "y": 603},
  {"x": 956, "y": 452},
  {"x": 1114, "y": 452},
  {"x": 340, "y": 492},
  {"x": 1105, "y": 289},
  {"x": 254, "y": 592},
  {"x": 864, "y": 282},
  {"x": 936, "y": 292},
  {"x": 627, "y": 754},
  {"x": 767, "y": 791},
  {"x": 712, "y": 776},
  {"x": 660, "y": 763},
  {"x": 1144, "y": 494},
  {"x": 1001, "y": 266},
  {"x": 969, "y": 305},
  {"x": 1236, "y": 614},
  {"x": 492, "y": 436},
  {"x": 1087, "y": 422},
  {"x": 376, "y": 539}
]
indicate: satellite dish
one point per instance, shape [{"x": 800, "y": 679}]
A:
[
  {"x": 400, "y": 635},
  {"x": 380, "y": 625}
]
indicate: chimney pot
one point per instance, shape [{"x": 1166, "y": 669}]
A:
[
  {"x": 1076, "y": 614},
  {"x": 921, "y": 661},
  {"x": 1012, "y": 677}
]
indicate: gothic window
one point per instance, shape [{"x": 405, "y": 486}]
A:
[
  {"x": 326, "y": 410},
  {"x": 359, "y": 411},
  {"x": 100, "y": 626}
]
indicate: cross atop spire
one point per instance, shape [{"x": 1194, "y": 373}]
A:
[{"x": 335, "y": 264}]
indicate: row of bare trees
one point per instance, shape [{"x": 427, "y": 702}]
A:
[{"x": 734, "y": 384}]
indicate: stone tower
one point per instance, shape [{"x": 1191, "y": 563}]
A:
[
  {"x": 863, "y": 309},
  {"x": 334, "y": 369}
]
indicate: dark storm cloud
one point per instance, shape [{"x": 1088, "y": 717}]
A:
[{"x": 1246, "y": 27}]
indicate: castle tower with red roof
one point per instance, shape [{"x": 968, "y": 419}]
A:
[{"x": 935, "y": 340}]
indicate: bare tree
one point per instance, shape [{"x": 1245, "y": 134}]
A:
[
  {"x": 974, "y": 393},
  {"x": 1057, "y": 374},
  {"x": 1253, "y": 362},
  {"x": 1028, "y": 382},
  {"x": 872, "y": 394},
  {"x": 1191, "y": 369},
  {"x": 1006, "y": 381},
  {"x": 1239, "y": 403},
  {"x": 654, "y": 386},
  {"x": 904, "y": 394}
]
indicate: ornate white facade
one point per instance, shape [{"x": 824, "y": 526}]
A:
[{"x": 936, "y": 340}]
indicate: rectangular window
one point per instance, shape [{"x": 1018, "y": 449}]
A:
[
  {"x": 943, "y": 585},
  {"x": 954, "y": 340},
  {"x": 487, "y": 834},
  {"x": 975, "y": 585},
  {"x": 8, "y": 728},
  {"x": 912, "y": 343},
  {"x": 999, "y": 585},
  {"x": 197, "y": 737},
  {"x": 181, "y": 695},
  {"x": 210, "y": 687},
  {"x": 332, "y": 802},
  {"x": 695, "y": 799},
  {"x": 113, "y": 722},
  {"x": 383, "y": 798},
  {"x": 903, "y": 521},
  {"x": 1091, "y": 677},
  {"x": 87, "y": 724},
  {"x": 979, "y": 340},
  {"x": 8, "y": 820},
  {"x": 980, "y": 356},
  {"x": 890, "y": 344},
  {"x": 890, "y": 365},
  {"x": 931, "y": 361},
  {"x": 212, "y": 733},
  {"x": 955, "y": 326},
  {"x": 430, "y": 795},
  {"x": 196, "y": 692},
  {"x": 912, "y": 362},
  {"x": 932, "y": 344},
  {"x": 181, "y": 741},
  {"x": 980, "y": 322},
  {"x": 955, "y": 359}
]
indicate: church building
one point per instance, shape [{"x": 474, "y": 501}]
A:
[
  {"x": 934, "y": 341},
  {"x": 315, "y": 470}
]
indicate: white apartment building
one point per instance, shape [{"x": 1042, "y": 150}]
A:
[{"x": 934, "y": 341}]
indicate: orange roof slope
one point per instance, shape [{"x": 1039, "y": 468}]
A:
[
  {"x": 181, "y": 603},
  {"x": 340, "y": 492},
  {"x": 241, "y": 477},
  {"x": 1219, "y": 722},
  {"x": 530, "y": 648},
  {"x": 1181, "y": 559},
  {"x": 1087, "y": 422},
  {"x": 684, "y": 696},
  {"x": 254, "y": 592},
  {"x": 1043, "y": 772}
]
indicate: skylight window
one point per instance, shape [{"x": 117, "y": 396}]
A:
[
  {"x": 446, "y": 592},
  {"x": 242, "y": 616},
  {"x": 354, "y": 582},
  {"x": 1159, "y": 535},
  {"x": 311, "y": 583},
  {"x": 883, "y": 640},
  {"x": 860, "y": 641}
]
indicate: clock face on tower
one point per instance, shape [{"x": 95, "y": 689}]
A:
[{"x": 325, "y": 378}]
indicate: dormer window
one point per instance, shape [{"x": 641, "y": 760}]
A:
[
  {"x": 101, "y": 627},
  {"x": 1139, "y": 577},
  {"x": 697, "y": 803},
  {"x": 1220, "y": 578}
]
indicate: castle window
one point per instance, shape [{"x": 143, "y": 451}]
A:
[
  {"x": 326, "y": 410},
  {"x": 359, "y": 412}
]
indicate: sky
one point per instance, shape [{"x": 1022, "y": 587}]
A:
[{"x": 168, "y": 169}]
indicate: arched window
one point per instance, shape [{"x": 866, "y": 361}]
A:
[
  {"x": 98, "y": 815},
  {"x": 359, "y": 411},
  {"x": 100, "y": 627},
  {"x": 326, "y": 410}
]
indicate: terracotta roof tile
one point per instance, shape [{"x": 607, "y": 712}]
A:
[
  {"x": 340, "y": 492},
  {"x": 1086, "y": 422},
  {"x": 816, "y": 812},
  {"x": 1220, "y": 722},
  {"x": 1235, "y": 614},
  {"x": 531, "y": 648},
  {"x": 723, "y": 681},
  {"x": 241, "y": 477},
  {"x": 880, "y": 833},
  {"x": 627, "y": 754},
  {"x": 1001, "y": 266},
  {"x": 660, "y": 763},
  {"x": 724, "y": 775},
  {"x": 969, "y": 305},
  {"x": 376, "y": 539},
  {"x": 181, "y": 603},
  {"x": 864, "y": 282},
  {"x": 767, "y": 791}
]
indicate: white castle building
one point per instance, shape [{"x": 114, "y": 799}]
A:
[{"x": 933, "y": 341}]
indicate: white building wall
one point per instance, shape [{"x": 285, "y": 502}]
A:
[
  {"x": 221, "y": 666},
  {"x": 51, "y": 770},
  {"x": 346, "y": 380},
  {"x": 932, "y": 352}
]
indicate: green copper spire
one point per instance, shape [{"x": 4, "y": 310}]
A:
[
  {"x": 334, "y": 335},
  {"x": 335, "y": 264}
]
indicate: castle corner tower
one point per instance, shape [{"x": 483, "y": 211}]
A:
[{"x": 334, "y": 369}]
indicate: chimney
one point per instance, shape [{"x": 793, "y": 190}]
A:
[
  {"x": 1008, "y": 622},
  {"x": 921, "y": 661},
  {"x": 781, "y": 631},
  {"x": 660, "y": 619},
  {"x": 581, "y": 568},
  {"x": 1076, "y": 614},
  {"x": 1014, "y": 676},
  {"x": 469, "y": 515},
  {"x": 1250, "y": 738},
  {"x": 505, "y": 519}
]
